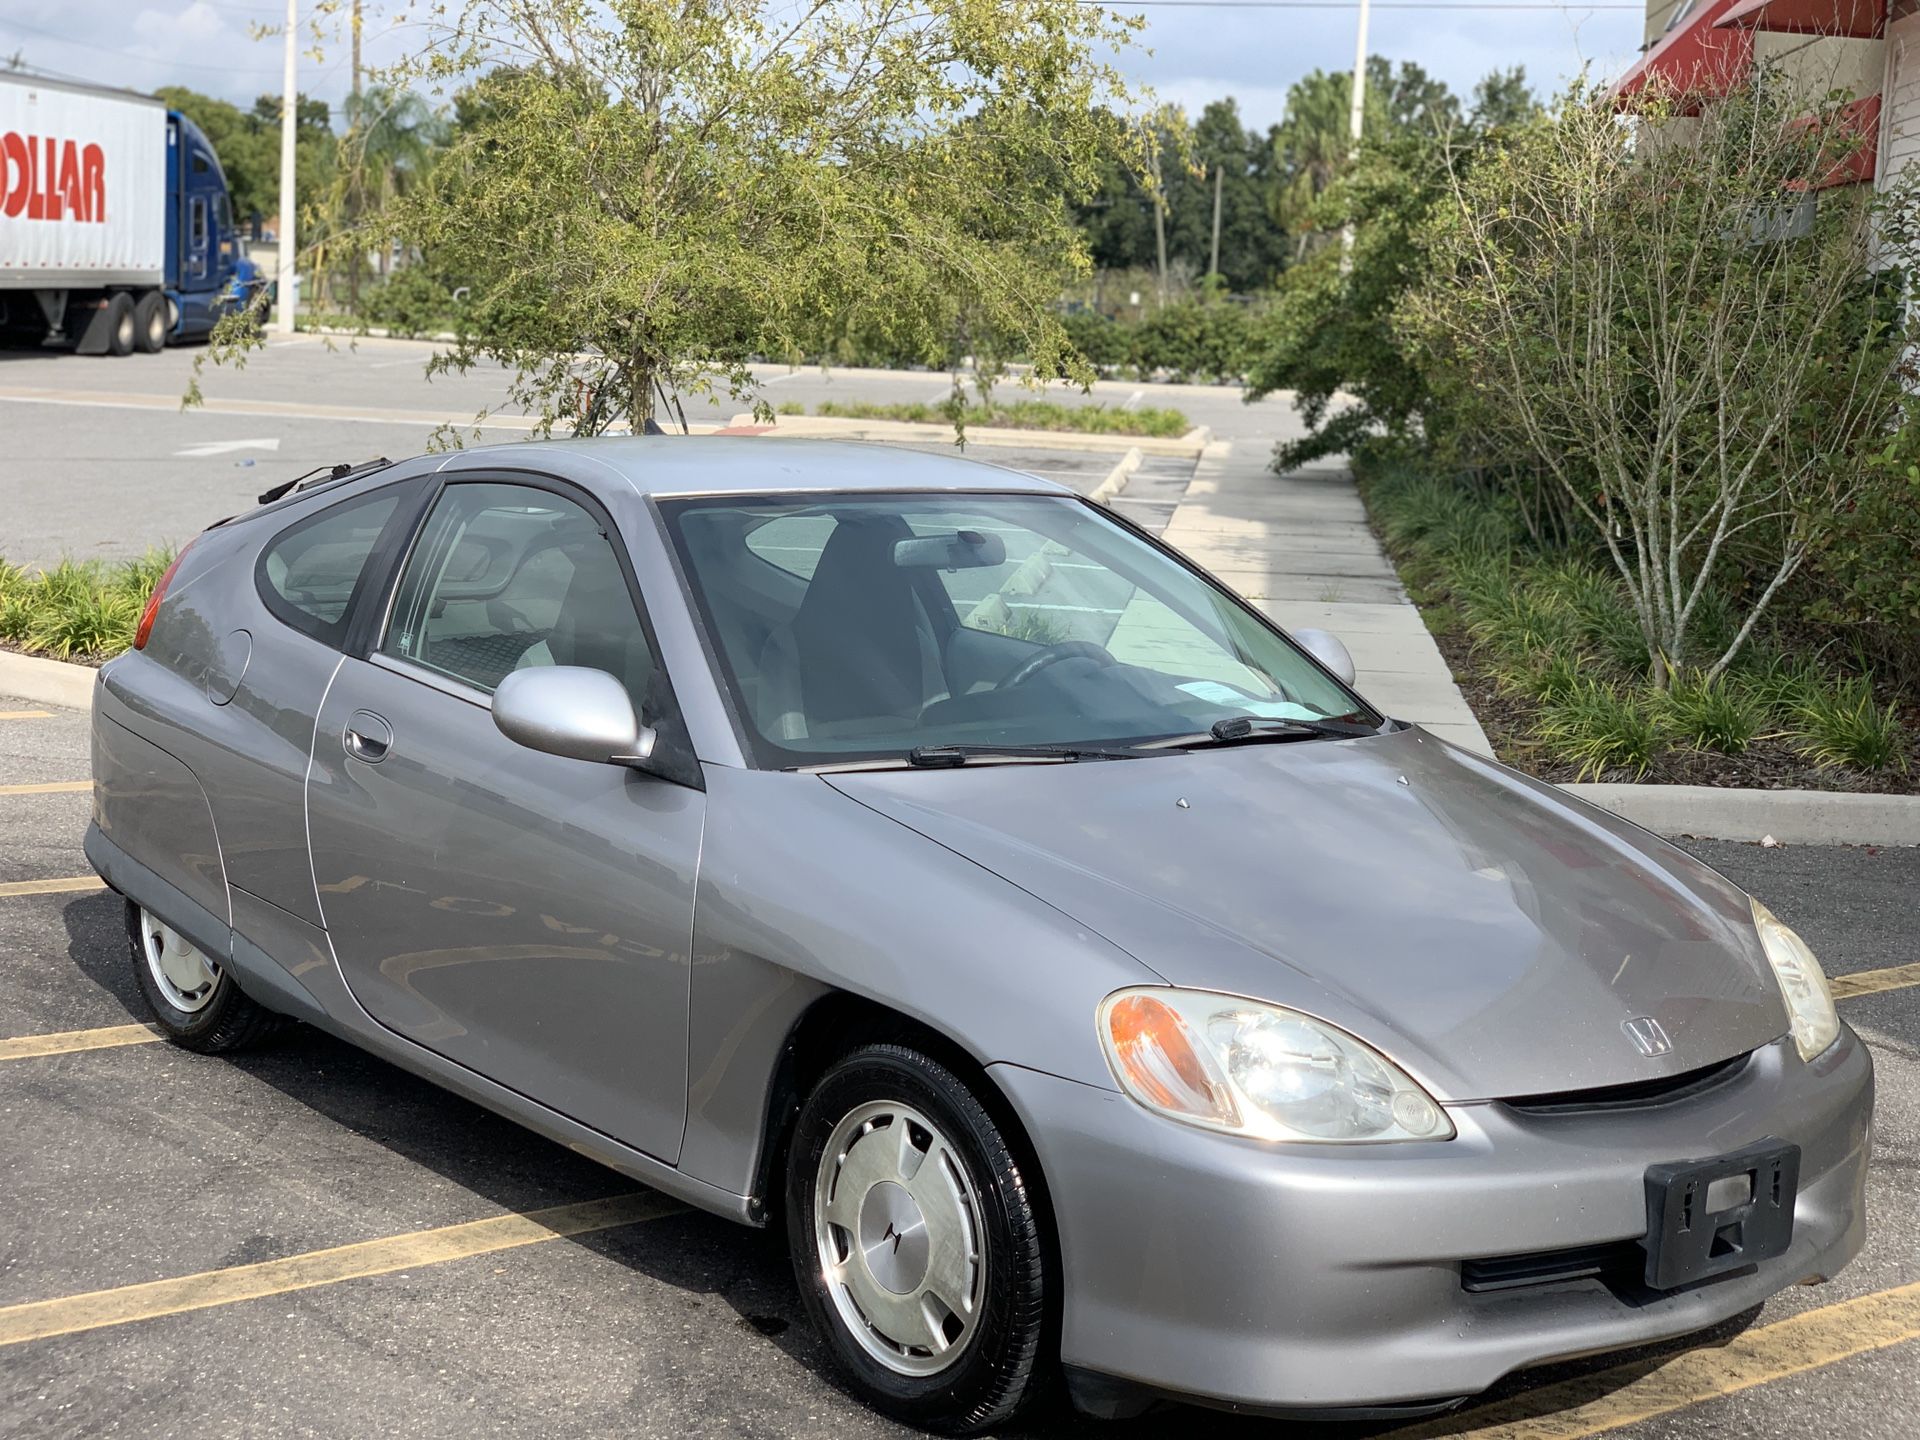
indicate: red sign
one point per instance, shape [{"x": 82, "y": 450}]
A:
[{"x": 42, "y": 178}]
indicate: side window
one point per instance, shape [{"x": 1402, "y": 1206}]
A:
[
  {"x": 197, "y": 239},
  {"x": 309, "y": 572},
  {"x": 792, "y": 542},
  {"x": 507, "y": 576}
]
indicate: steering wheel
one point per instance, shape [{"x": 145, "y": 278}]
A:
[{"x": 1053, "y": 655}]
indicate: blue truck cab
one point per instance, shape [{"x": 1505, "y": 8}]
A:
[{"x": 207, "y": 271}]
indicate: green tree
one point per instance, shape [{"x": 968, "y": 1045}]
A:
[
  {"x": 316, "y": 158},
  {"x": 1331, "y": 336},
  {"x": 1313, "y": 146},
  {"x": 1503, "y": 98},
  {"x": 668, "y": 187},
  {"x": 392, "y": 137}
]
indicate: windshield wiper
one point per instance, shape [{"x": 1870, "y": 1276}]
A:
[
  {"x": 945, "y": 757},
  {"x": 1246, "y": 730}
]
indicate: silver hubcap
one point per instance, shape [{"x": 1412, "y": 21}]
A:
[
  {"x": 185, "y": 975},
  {"x": 901, "y": 1243}
]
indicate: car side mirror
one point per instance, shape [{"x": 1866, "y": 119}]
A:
[
  {"x": 1325, "y": 646},
  {"x": 572, "y": 711}
]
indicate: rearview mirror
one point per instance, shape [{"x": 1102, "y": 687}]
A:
[
  {"x": 572, "y": 711},
  {"x": 1325, "y": 647},
  {"x": 955, "y": 550}
]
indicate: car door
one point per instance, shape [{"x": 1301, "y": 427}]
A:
[{"x": 525, "y": 915}]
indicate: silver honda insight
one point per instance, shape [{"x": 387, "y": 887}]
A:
[{"x": 915, "y": 855}]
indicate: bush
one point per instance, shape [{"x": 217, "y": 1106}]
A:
[
  {"x": 1599, "y": 728},
  {"x": 1863, "y": 574},
  {"x": 77, "y": 610},
  {"x": 1840, "y": 725},
  {"x": 1108, "y": 344},
  {"x": 1202, "y": 340},
  {"x": 1711, "y": 714},
  {"x": 413, "y": 301}
]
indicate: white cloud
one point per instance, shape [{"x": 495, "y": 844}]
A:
[{"x": 1190, "y": 55}]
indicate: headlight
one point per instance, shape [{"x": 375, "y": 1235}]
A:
[
  {"x": 1803, "y": 984},
  {"x": 1260, "y": 1070}
]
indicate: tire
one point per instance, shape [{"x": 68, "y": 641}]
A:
[
  {"x": 206, "y": 1011},
  {"x": 150, "y": 323},
  {"x": 121, "y": 332},
  {"x": 969, "y": 1227}
]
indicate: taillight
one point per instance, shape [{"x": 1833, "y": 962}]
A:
[{"x": 153, "y": 601}]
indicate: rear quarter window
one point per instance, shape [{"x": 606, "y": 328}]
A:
[{"x": 309, "y": 572}]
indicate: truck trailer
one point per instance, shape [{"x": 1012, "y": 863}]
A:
[{"x": 116, "y": 227}]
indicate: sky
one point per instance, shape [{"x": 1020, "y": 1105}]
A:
[{"x": 1190, "y": 54}]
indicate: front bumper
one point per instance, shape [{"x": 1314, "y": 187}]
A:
[{"x": 1294, "y": 1278}]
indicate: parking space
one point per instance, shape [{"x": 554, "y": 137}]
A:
[{"x": 305, "y": 1241}]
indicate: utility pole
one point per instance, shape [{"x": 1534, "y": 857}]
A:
[
  {"x": 1218, "y": 172},
  {"x": 356, "y": 49},
  {"x": 1160, "y": 224},
  {"x": 286, "y": 303},
  {"x": 1356, "y": 125}
]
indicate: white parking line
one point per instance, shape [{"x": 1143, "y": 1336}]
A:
[{"x": 1133, "y": 401}]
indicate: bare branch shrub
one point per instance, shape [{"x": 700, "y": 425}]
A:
[{"x": 1698, "y": 339}]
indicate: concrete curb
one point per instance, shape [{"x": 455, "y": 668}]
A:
[
  {"x": 50, "y": 682},
  {"x": 1117, "y": 477},
  {"x": 833, "y": 427},
  {"x": 1792, "y": 817}
]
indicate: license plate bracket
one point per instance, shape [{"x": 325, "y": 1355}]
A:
[{"x": 1689, "y": 1241}]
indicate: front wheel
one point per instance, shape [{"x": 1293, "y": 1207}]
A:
[
  {"x": 194, "y": 999},
  {"x": 916, "y": 1242}
]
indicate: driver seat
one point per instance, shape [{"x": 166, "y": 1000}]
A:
[{"x": 860, "y": 654}]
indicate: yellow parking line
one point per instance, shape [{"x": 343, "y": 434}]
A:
[
  {"x": 1871, "y": 982},
  {"x": 41, "y": 1319},
  {"x": 26, "y": 714},
  {"x": 1628, "y": 1394},
  {"x": 58, "y": 886},
  {"x": 50, "y": 787},
  {"x": 67, "y": 1042}
]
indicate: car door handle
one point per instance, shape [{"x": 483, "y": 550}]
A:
[{"x": 368, "y": 737}]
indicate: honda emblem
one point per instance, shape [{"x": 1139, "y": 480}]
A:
[{"x": 1647, "y": 1036}]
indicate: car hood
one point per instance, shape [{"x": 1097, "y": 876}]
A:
[{"x": 1487, "y": 931}]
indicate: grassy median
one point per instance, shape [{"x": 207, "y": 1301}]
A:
[
  {"x": 1017, "y": 415},
  {"x": 77, "y": 610}
]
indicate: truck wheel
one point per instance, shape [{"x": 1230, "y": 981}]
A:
[
  {"x": 150, "y": 322},
  {"x": 121, "y": 330}
]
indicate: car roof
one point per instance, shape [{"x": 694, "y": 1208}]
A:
[{"x": 664, "y": 466}]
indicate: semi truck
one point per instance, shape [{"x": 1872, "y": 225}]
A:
[{"x": 116, "y": 227}]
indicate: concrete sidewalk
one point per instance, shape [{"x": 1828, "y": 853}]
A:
[{"x": 1298, "y": 547}]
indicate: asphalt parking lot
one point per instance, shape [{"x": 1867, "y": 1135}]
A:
[
  {"x": 100, "y": 459},
  {"x": 139, "y": 1182}
]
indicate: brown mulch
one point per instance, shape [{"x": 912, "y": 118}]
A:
[
  {"x": 1765, "y": 765},
  {"x": 92, "y": 662}
]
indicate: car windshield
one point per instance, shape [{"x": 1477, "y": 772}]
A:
[{"x": 862, "y": 627}]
